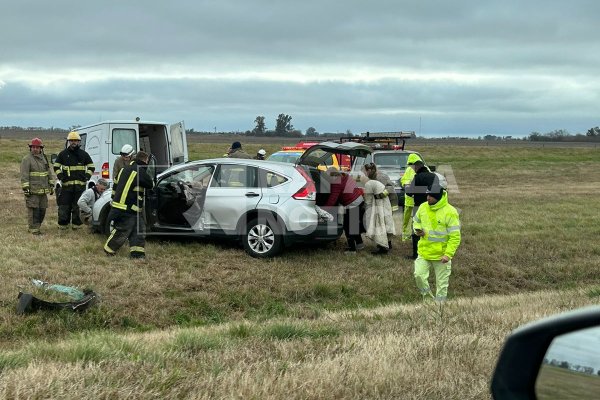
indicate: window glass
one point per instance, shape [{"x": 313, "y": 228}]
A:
[
  {"x": 320, "y": 158},
  {"x": 177, "y": 143},
  {"x": 395, "y": 160},
  {"x": 272, "y": 179},
  {"x": 121, "y": 137},
  {"x": 235, "y": 176},
  {"x": 284, "y": 157},
  {"x": 83, "y": 140},
  {"x": 197, "y": 176}
]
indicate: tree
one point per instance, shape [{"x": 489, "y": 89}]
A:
[
  {"x": 564, "y": 364},
  {"x": 312, "y": 132},
  {"x": 593, "y": 132},
  {"x": 260, "y": 127},
  {"x": 283, "y": 124}
]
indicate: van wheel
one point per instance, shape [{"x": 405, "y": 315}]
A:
[{"x": 263, "y": 238}]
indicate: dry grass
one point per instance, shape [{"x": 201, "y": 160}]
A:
[
  {"x": 267, "y": 328},
  {"x": 400, "y": 351}
]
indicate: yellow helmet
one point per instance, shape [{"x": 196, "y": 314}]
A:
[{"x": 73, "y": 136}]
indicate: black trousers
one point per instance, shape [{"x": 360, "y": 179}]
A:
[
  {"x": 127, "y": 227},
  {"x": 415, "y": 245},
  {"x": 354, "y": 225},
  {"x": 68, "y": 210}
]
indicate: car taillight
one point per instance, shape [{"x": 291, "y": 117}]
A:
[
  {"x": 105, "y": 171},
  {"x": 308, "y": 191}
]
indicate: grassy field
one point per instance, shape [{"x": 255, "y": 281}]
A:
[
  {"x": 202, "y": 319},
  {"x": 560, "y": 383}
]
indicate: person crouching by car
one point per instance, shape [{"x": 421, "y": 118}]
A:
[
  {"x": 344, "y": 192},
  {"x": 88, "y": 198},
  {"x": 126, "y": 213}
]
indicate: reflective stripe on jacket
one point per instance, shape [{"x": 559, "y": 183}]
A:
[
  {"x": 36, "y": 174},
  {"x": 74, "y": 168},
  {"x": 130, "y": 188},
  {"x": 441, "y": 225},
  {"x": 408, "y": 176}
]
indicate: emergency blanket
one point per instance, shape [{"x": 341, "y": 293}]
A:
[{"x": 379, "y": 220}]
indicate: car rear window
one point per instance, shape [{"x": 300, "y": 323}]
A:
[
  {"x": 284, "y": 157},
  {"x": 395, "y": 160}
]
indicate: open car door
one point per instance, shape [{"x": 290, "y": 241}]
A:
[{"x": 179, "y": 151}]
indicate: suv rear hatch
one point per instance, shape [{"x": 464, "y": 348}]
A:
[{"x": 314, "y": 161}]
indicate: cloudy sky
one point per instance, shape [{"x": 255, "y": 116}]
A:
[{"x": 435, "y": 67}]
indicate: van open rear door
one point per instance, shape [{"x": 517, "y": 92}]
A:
[{"x": 179, "y": 151}]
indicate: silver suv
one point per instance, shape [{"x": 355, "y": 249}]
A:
[{"x": 266, "y": 205}]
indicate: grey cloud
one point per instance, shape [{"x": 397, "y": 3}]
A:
[
  {"x": 233, "y": 105},
  {"x": 530, "y": 62}
]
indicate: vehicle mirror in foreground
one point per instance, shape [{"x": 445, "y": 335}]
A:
[
  {"x": 571, "y": 367},
  {"x": 525, "y": 367}
]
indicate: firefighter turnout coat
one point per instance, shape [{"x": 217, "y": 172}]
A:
[
  {"x": 74, "y": 167},
  {"x": 130, "y": 188},
  {"x": 36, "y": 174}
]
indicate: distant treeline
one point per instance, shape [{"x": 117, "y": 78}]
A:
[{"x": 559, "y": 135}]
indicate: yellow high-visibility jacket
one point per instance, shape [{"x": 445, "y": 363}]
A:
[
  {"x": 408, "y": 176},
  {"x": 441, "y": 225}
]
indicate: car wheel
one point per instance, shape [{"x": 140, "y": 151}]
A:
[
  {"x": 263, "y": 238},
  {"x": 105, "y": 222}
]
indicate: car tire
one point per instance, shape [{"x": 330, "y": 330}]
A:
[
  {"x": 262, "y": 237},
  {"x": 105, "y": 222}
]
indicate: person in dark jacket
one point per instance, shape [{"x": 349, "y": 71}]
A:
[
  {"x": 235, "y": 151},
  {"x": 128, "y": 222},
  {"x": 344, "y": 192},
  {"x": 73, "y": 167},
  {"x": 417, "y": 189}
]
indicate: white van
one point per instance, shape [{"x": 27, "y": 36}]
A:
[{"x": 103, "y": 142}]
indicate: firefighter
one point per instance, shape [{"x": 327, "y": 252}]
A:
[
  {"x": 438, "y": 227},
  {"x": 37, "y": 180},
  {"x": 260, "y": 155},
  {"x": 73, "y": 167},
  {"x": 128, "y": 223},
  {"x": 409, "y": 203},
  {"x": 124, "y": 159}
]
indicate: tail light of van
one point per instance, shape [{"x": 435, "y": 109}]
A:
[
  {"x": 105, "y": 171},
  {"x": 308, "y": 191}
]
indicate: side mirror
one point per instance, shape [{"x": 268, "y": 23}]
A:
[
  {"x": 554, "y": 358},
  {"x": 53, "y": 158}
]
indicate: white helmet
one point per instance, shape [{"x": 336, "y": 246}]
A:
[
  {"x": 127, "y": 150},
  {"x": 262, "y": 152}
]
